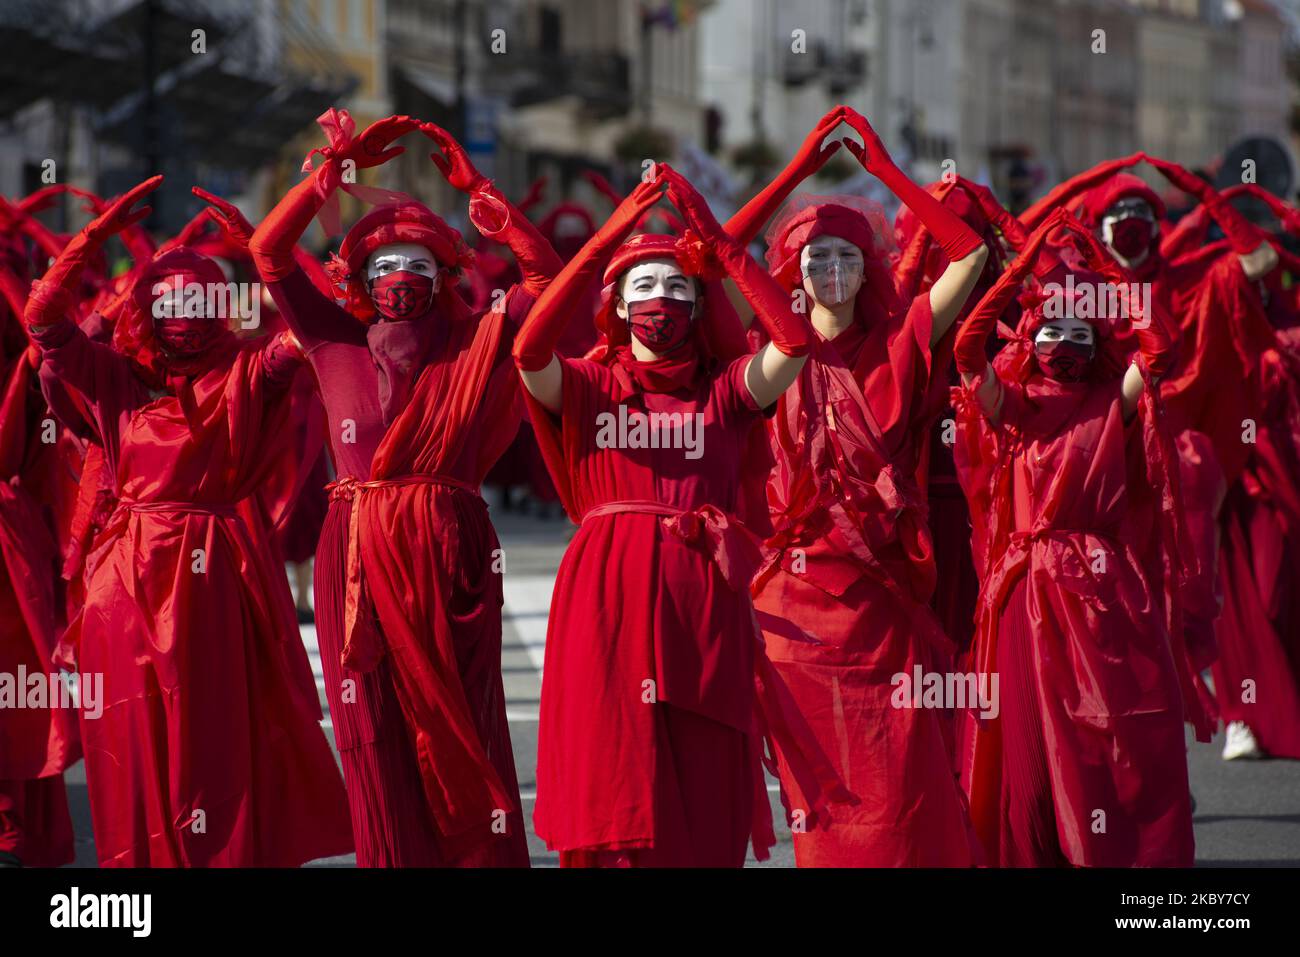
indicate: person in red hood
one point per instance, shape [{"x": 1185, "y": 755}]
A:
[
  {"x": 208, "y": 751},
  {"x": 1083, "y": 762},
  {"x": 1217, "y": 307},
  {"x": 421, "y": 398},
  {"x": 649, "y": 748},
  {"x": 849, "y": 566}
]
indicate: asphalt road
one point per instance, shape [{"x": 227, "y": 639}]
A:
[{"x": 1248, "y": 812}]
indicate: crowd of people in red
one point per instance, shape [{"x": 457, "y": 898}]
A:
[{"x": 1049, "y": 459}]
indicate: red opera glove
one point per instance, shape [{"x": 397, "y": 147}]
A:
[
  {"x": 1244, "y": 237},
  {"x": 16, "y": 218},
  {"x": 227, "y": 216},
  {"x": 1063, "y": 193},
  {"x": 137, "y": 242},
  {"x": 1012, "y": 229},
  {"x": 950, "y": 232},
  {"x": 272, "y": 244},
  {"x": 536, "y": 193},
  {"x": 602, "y": 186},
  {"x": 492, "y": 214},
  {"x": 790, "y": 333},
  {"x": 52, "y": 294},
  {"x": 812, "y": 156},
  {"x": 536, "y": 340},
  {"x": 1286, "y": 214},
  {"x": 968, "y": 350}
]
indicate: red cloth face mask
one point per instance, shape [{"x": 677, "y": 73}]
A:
[
  {"x": 402, "y": 294},
  {"x": 662, "y": 324},
  {"x": 187, "y": 337},
  {"x": 1131, "y": 237},
  {"x": 1063, "y": 360}
]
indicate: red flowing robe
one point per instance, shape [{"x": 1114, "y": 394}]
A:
[
  {"x": 842, "y": 600},
  {"x": 647, "y": 748},
  {"x": 208, "y": 751},
  {"x": 1238, "y": 382},
  {"x": 1085, "y": 763},
  {"x": 37, "y": 744},
  {"x": 408, "y": 577}
]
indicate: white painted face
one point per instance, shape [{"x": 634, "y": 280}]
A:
[
  {"x": 569, "y": 225},
  {"x": 655, "y": 279},
  {"x": 1072, "y": 330},
  {"x": 399, "y": 257},
  {"x": 832, "y": 270}
]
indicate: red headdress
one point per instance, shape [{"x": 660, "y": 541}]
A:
[
  {"x": 133, "y": 334},
  {"x": 406, "y": 222},
  {"x": 852, "y": 218},
  {"x": 718, "y": 332}
]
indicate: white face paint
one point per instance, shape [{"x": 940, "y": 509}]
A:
[
  {"x": 403, "y": 257},
  {"x": 655, "y": 279},
  {"x": 1072, "y": 329},
  {"x": 832, "y": 270}
]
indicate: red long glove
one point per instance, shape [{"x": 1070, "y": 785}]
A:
[
  {"x": 1012, "y": 229},
  {"x": 950, "y": 232},
  {"x": 602, "y": 186},
  {"x": 536, "y": 193},
  {"x": 1157, "y": 347},
  {"x": 1287, "y": 215},
  {"x": 52, "y": 294},
  {"x": 968, "y": 350},
  {"x": 1244, "y": 237},
  {"x": 790, "y": 332},
  {"x": 811, "y": 157},
  {"x": 15, "y": 218},
  {"x": 536, "y": 340},
  {"x": 273, "y": 241},
  {"x": 139, "y": 245},
  {"x": 492, "y": 214},
  {"x": 1063, "y": 193},
  {"x": 226, "y": 215}
]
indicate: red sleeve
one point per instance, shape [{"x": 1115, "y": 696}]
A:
[
  {"x": 314, "y": 317},
  {"x": 732, "y": 396}
]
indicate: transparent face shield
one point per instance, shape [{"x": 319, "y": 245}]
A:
[{"x": 835, "y": 277}]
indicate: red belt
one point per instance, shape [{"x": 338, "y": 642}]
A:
[
  {"x": 733, "y": 548},
  {"x": 346, "y": 490}
]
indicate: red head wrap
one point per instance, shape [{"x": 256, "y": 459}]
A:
[{"x": 407, "y": 222}]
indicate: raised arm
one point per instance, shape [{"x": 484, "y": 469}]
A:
[
  {"x": 775, "y": 367},
  {"x": 968, "y": 351},
  {"x": 811, "y": 157},
  {"x": 965, "y": 250},
  {"x": 49, "y": 304},
  {"x": 534, "y": 350},
  {"x": 1075, "y": 186},
  {"x": 493, "y": 215},
  {"x": 312, "y": 315},
  {"x": 1254, "y": 252}
]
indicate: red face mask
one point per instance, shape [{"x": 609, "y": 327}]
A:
[
  {"x": 187, "y": 337},
  {"x": 402, "y": 294},
  {"x": 1063, "y": 360},
  {"x": 1131, "y": 237},
  {"x": 661, "y": 325}
]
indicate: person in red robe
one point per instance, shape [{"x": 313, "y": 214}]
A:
[
  {"x": 1216, "y": 305},
  {"x": 849, "y": 568},
  {"x": 1083, "y": 762},
  {"x": 421, "y": 398},
  {"x": 37, "y": 744},
  {"x": 648, "y": 748},
  {"x": 208, "y": 751}
]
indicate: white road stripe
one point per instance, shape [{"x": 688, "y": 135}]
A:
[{"x": 527, "y": 608}]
